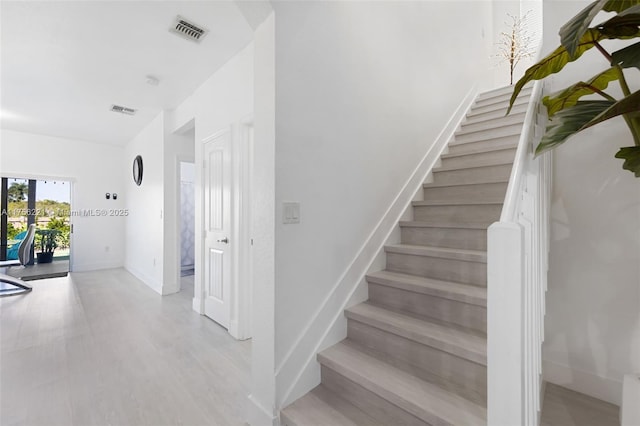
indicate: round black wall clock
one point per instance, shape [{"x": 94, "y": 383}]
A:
[{"x": 137, "y": 170}]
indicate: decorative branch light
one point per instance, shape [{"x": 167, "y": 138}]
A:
[{"x": 515, "y": 44}]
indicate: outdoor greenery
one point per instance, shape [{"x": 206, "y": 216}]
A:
[
  {"x": 18, "y": 192},
  {"x": 58, "y": 212},
  {"x": 567, "y": 113}
]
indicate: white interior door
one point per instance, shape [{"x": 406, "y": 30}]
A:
[{"x": 217, "y": 221}]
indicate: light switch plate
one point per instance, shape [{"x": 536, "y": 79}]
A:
[{"x": 290, "y": 212}]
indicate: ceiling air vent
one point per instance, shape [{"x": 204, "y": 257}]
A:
[
  {"x": 123, "y": 110},
  {"x": 187, "y": 29}
]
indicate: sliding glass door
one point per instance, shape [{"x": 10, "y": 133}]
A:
[{"x": 46, "y": 203}]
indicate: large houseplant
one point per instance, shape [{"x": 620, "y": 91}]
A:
[
  {"x": 567, "y": 113},
  {"x": 48, "y": 242}
]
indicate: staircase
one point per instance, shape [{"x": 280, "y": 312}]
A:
[{"x": 415, "y": 352}]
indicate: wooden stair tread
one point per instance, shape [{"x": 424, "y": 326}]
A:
[
  {"x": 469, "y": 184},
  {"x": 500, "y": 99},
  {"x": 454, "y": 203},
  {"x": 424, "y": 400},
  {"x": 453, "y": 339},
  {"x": 504, "y": 90},
  {"x": 466, "y": 293},
  {"x": 441, "y": 252},
  {"x": 489, "y": 134},
  {"x": 498, "y": 162},
  {"x": 436, "y": 224},
  {"x": 502, "y": 105},
  {"x": 466, "y": 131},
  {"x": 514, "y": 139},
  {"x": 470, "y": 154},
  {"x": 493, "y": 122},
  {"x": 320, "y": 408},
  {"x": 488, "y": 115}
]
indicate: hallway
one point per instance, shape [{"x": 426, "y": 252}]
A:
[{"x": 102, "y": 348}]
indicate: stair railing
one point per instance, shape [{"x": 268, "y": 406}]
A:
[{"x": 517, "y": 264}]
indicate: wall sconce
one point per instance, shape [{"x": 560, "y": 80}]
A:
[
  {"x": 115, "y": 196},
  {"x": 107, "y": 196}
]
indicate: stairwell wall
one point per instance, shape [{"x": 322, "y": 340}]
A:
[
  {"x": 362, "y": 91},
  {"x": 593, "y": 303}
]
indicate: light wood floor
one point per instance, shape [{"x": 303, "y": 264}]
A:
[
  {"x": 101, "y": 348},
  {"x": 564, "y": 407}
]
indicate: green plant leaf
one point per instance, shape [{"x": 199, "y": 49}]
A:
[
  {"x": 574, "y": 29},
  {"x": 631, "y": 156},
  {"x": 627, "y": 105},
  {"x": 569, "y": 121},
  {"x": 627, "y": 57},
  {"x": 623, "y": 25},
  {"x": 554, "y": 62},
  {"x": 569, "y": 97},
  {"x": 619, "y": 5}
]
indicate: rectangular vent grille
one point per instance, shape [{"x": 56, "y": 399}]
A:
[
  {"x": 123, "y": 110},
  {"x": 187, "y": 29}
]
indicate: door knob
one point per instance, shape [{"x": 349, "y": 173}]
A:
[{"x": 224, "y": 240}]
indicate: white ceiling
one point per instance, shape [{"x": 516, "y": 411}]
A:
[{"x": 64, "y": 63}]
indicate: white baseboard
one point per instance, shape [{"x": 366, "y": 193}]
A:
[
  {"x": 295, "y": 375},
  {"x": 155, "y": 285},
  {"x": 96, "y": 266},
  {"x": 630, "y": 409},
  {"x": 259, "y": 415},
  {"x": 604, "y": 388}
]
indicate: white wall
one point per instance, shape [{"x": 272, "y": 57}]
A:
[
  {"x": 362, "y": 91},
  {"x": 95, "y": 169},
  {"x": 593, "y": 302},
  {"x": 144, "y": 235},
  {"x": 262, "y": 410}
]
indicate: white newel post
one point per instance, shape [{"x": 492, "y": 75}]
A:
[{"x": 505, "y": 340}]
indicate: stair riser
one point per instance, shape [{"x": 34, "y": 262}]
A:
[
  {"x": 508, "y": 142},
  {"x": 377, "y": 407},
  {"x": 478, "y": 160},
  {"x": 468, "y": 239},
  {"x": 463, "y": 377},
  {"x": 442, "y": 269},
  {"x": 514, "y": 129},
  {"x": 490, "y": 192},
  {"x": 502, "y": 107},
  {"x": 466, "y": 315},
  {"x": 491, "y": 173},
  {"x": 465, "y": 213},
  {"x": 492, "y": 124}
]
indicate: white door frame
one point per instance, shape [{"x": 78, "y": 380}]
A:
[
  {"x": 240, "y": 326},
  {"x": 72, "y": 182},
  {"x": 241, "y": 277}
]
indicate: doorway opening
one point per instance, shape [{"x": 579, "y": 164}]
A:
[
  {"x": 47, "y": 204},
  {"x": 187, "y": 218}
]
